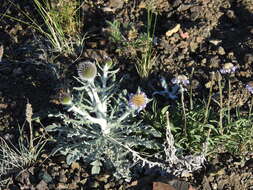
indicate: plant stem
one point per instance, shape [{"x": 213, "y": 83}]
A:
[
  {"x": 229, "y": 99},
  {"x": 183, "y": 106},
  {"x": 250, "y": 107},
  {"x": 191, "y": 100},
  {"x": 221, "y": 104},
  {"x": 101, "y": 121},
  {"x": 31, "y": 136},
  {"x": 209, "y": 99}
]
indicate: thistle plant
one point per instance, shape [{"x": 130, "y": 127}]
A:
[{"x": 102, "y": 128}]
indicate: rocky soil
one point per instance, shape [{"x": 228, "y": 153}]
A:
[{"x": 193, "y": 37}]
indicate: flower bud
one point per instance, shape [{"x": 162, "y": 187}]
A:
[{"x": 87, "y": 71}]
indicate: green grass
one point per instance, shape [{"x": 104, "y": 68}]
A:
[
  {"x": 140, "y": 45},
  {"x": 25, "y": 153},
  {"x": 235, "y": 138}
]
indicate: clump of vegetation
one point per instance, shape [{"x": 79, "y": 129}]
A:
[
  {"x": 137, "y": 45},
  {"x": 62, "y": 23},
  {"x": 103, "y": 130},
  {"x": 28, "y": 150},
  {"x": 204, "y": 123}
]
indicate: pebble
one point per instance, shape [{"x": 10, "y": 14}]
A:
[
  {"x": 94, "y": 184},
  {"x": 116, "y": 4},
  {"x": 215, "y": 42},
  {"x": 248, "y": 58},
  {"x": 221, "y": 51},
  {"x": 230, "y": 14},
  {"x": 251, "y": 30},
  {"x": 45, "y": 177},
  {"x": 214, "y": 62}
]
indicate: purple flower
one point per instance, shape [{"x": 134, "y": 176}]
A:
[
  {"x": 181, "y": 79},
  {"x": 249, "y": 87},
  {"x": 138, "y": 101},
  {"x": 228, "y": 68}
]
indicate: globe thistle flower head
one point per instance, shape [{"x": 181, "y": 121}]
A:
[
  {"x": 180, "y": 79},
  {"x": 249, "y": 87},
  {"x": 87, "y": 71},
  {"x": 138, "y": 101},
  {"x": 228, "y": 68},
  {"x": 65, "y": 98}
]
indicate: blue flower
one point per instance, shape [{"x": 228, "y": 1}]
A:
[
  {"x": 249, "y": 87},
  {"x": 228, "y": 68},
  {"x": 180, "y": 79},
  {"x": 138, "y": 101}
]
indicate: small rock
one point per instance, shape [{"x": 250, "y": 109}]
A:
[
  {"x": 248, "y": 58},
  {"x": 42, "y": 185},
  {"x": 116, "y": 4},
  {"x": 75, "y": 165},
  {"x": 230, "y": 14},
  {"x": 62, "y": 177},
  {"x": 61, "y": 186},
  {"x": 73, "y": 186},
  {"x": 221, "y": 51},
  {"x": 193, "y": 46},
  {"x": 173, "y": 30},
  {"x": 162, "y": 186},
  {"x": 214, "y": 62},
  {"x": 103, "y": 178},
  {"x": 84, "y": 181},
  {"x": 177, "y": 3},
  {"x": 109, "y": 185},
  {"x": 94, "y": 184},
  {"x": 45, "y": 177},
  {"x": 215, "y": 42}
]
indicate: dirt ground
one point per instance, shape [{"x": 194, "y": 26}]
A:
[{"x": 212, "y": 33}]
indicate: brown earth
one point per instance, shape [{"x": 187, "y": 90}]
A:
[{"x": 212, "y": 33}]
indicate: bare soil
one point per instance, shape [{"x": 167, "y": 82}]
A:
[{"x": 212, "y": 33}]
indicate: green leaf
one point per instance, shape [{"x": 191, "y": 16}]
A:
[
  {"x": 95, "y": 167},
  {"x": 51, "y": 128}
]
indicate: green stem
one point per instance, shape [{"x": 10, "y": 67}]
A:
[
  {"x": 209, "y": 100},
  {"x": 229, "y": 100},
  {"x": 183, "y": 106},
  {"x": 221, "y": 104}
]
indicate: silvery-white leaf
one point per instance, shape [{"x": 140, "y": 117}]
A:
[{"x": 1, "y": 52}]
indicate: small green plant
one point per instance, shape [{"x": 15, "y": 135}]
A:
[
  {"x": 139, "y": 46},
  {"x": 146, "y": 62},
  {"x": 25, "y": 154},
  {"x": 205, "y": 123},
  {"x": 103, "y": 130}
]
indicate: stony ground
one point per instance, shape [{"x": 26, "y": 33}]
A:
[{"x": 211, "y": 33}]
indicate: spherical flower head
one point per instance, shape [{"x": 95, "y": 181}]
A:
[
  {"x": 228, "y": 68},
  {"x": 65, "y": 98},
  {"x": 249, "y": 87},
  {"x": 138, "y": 101},
  {"x": 87, "y": 71},
  {"x": 180, "y": 79}
]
